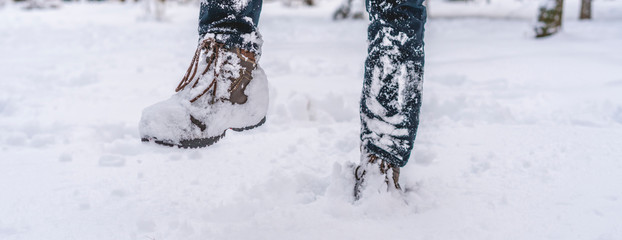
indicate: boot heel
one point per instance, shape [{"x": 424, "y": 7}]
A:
[{"x": 263, "y": 120}]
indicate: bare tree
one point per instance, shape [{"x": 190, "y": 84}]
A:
[
  {"x": 586, "y": 9},
  {"x": 549, "y": 18},
  {"x": 354, "y": 9}
]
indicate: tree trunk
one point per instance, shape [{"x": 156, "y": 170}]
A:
[
  {"x": 550, "y": 18},
  {"x": 586, "y": 9}
]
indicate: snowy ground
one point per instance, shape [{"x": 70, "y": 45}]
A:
[{"x": 519, "y": 138}]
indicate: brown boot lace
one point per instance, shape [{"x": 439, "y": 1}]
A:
[
  {"x": 247, "y": 63},
  {"x": 384, "y": 169}
]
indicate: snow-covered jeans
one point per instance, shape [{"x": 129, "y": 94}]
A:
[
  {"x": 391, "y": 96},
  {"x": 233, "y": 22}
]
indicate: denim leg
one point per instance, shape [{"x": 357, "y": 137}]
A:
[
  {"x": 391, "y": 96},
  {"x": 233, "y": 22}
]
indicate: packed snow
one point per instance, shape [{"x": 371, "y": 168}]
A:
[{"x": 519, "y": 138}]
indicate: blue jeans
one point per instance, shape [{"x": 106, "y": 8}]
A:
[
  {"x": 231, "y": 21},
  {"x": 391, "y": 96}
]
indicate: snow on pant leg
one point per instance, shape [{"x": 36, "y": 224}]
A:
[
  {"x": 233, "y": 21},
  {"x": 391, "y": 96}
]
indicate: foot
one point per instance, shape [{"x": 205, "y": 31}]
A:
[
  {"x": 224, "y": 88},
  {"x": 372, "y": 166}
]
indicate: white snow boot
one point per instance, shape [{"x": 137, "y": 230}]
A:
[{"x": 224, "y": 88}]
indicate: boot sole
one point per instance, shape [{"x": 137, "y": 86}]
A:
[
  {"x": 263, "y": 120},
  {"x": 200, "y": 142}
]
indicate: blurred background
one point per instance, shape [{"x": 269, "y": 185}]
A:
[{"x": 502, "y": 9}]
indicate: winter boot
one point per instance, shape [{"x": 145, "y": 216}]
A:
[
  {"x": 223, "y": 88},
  {"x": 366, "y": 170}
]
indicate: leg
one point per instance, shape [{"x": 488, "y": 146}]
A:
[
  {"x": 223, "y": 88},
  {"x": 391, "y": 96}
]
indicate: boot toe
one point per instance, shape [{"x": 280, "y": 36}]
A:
[{"x": 165, "y": 121}]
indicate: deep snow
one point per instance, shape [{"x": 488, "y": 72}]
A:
[{"x": 519, "y": 138}]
